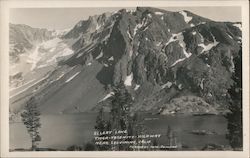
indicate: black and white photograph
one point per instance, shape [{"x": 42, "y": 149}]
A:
[{"x": 133, "y": 78}]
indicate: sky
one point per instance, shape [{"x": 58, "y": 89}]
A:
[{"x": 64, "y": 18}]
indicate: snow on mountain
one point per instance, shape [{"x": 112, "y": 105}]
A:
[
  {"x": 208, "y": 46},
  {"x": 238, "y": 25},
  {"x": 159, "y": 13},
  {"x": 136, "y": 87},
  {"x": 128, "y": 80},
  {"x": 157, "y": 54},
  {"x": 50, "y": 43},
  {"x": 33, "y": 58},
  {"x": 99, "y": 56},
  {"x": 168, "y": 84},
  {"x": 177, "y": 61},
  {"x": 107, "y": 96},
  {"x": 49, "y": 53},
  {"x": 179, "y": 37},
  {"x": 32, "y": 49},
  {"x": 185, "y": 16},
  {"x": 72, "y": 77},
  {"x": 60, "y": 33},
  {"x": 111, "y": 58}
]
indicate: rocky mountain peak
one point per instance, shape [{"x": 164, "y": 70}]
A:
[
  {"x": 159, "y": 55},
  {"x": 155, "y": 46}
]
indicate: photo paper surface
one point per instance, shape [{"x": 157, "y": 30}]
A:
[{"x": 126, "y": 78}]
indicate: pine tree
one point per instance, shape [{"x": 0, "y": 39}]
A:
[
  {"x": 235, "y": 116},
  {"x": 100, "y": 122},
  {"x": 31, "y": 119},
  {"x": 170, "y": 136},
  {"x": 101, "y": 126},
  {"x": 120, "y": 118},
  {"x": 120, "y": 108}
]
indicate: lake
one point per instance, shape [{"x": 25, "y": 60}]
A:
[{"x": 60, "y": 131}]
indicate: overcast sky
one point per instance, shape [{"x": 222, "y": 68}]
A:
[{"x": 63, "y": 18}]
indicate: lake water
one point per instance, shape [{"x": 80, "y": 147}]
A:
[{"x": 61, "y": 131}]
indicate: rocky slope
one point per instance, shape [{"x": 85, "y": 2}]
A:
[
  {"x": 161, "y": 57},
  {"x": 32, "y": 50},
  {"x": 23, "y": 38}
]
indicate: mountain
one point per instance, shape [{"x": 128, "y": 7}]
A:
[
  {"x": 171, "y": 62},
  {"x": 33, "y": 49},
  {"x": 23, "y": 37}
]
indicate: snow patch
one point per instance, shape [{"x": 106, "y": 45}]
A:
[
  {"x": 172, "y": 39},
  {"x": 229, "y": 36},
  {"x": 180, "y": 86},
  {"x": 59, "y": 33},
  {"x": 111, "y": 58},
  {"x": 202, "y": 38},
  {"x": 145, "y": 28},
  {"x": 128, "y": 80},
  {"x": 177, "y": 61},
  {"x": 129, "y": 35},
  {"x": 33, "y": 58},
  {"x": 136, "y": 29},
  {"x": 98, "y": 26},
  {"x": 52, "y": 49},
  {"x": 209, "y": 46},
  {"x": 130, "y": 53},
  {"x": 50, "y": 43},
  {"x": 88, "y": 64},
  {"x": 99, "y": 56},
  {"x": 238, "y": 25},
  {"x": 194, "y": 33},
  {"x": 63, "y": 53},
  {"x": 59, "y": 77},
  {"x": 137, "y": 86},
  {"x": 140, "y": 25},
  {"x": 79, "y": 55},
  {"x": 107, "y": 96},
  {"x": 138, "y": 44},
  {"x": 159, "y": 13},
  {"x": 168, "y": 84},
  {"x": 72, "y": 77},
  {"x": 180, "y": 38},
  {"x": 158, "y": 44},
  {"x": 187, "y": 18},
  {"x": 202, "y": 83},
  {"x": 192, "y": 25},
  {"x": 209, "y": 94},
  {"x": 42, "y": 66}
]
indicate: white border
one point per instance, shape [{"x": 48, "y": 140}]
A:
[{"x": 4, "y": 47}]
